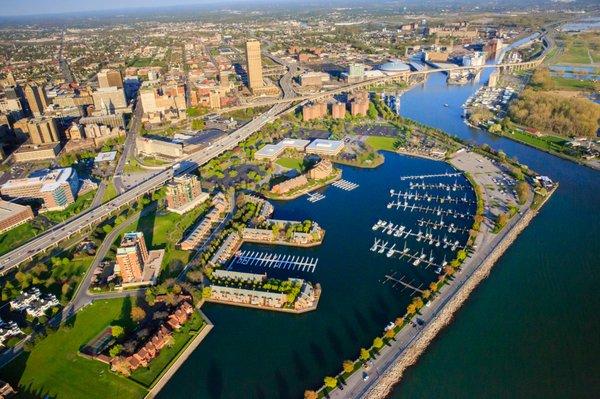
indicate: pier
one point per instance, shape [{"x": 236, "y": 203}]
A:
[
  {"x": 345, "y": 185},
  {"x": 396, "y": 281},
  {"x": 416, "y": 258},
  {"x": 408, "y": 195},
  {"x": 434, "y": 210},
  {"x": 315, "y": 197},
  {"x": 416, "y": 177},
  {"x": 436, "y": 186},
  {"x": 277, "y": 261},
  {"x": 435, "y": 225},
  {"x": 427, "y": 237}
]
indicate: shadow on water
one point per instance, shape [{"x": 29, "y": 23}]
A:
[
  {"x": 214, "y": 380},
  {"x": 283, "y": 388},
  {"x": 300, "y": 368}
]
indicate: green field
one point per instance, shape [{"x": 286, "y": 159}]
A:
[
  {"x": 17, "y": 236},
  {"x": 572, "y": 84},
  {"x": 110, "y": 192},
  {"x": 146, "y": 376},
  {"x": 548, "y": 143},
  {"x": 575, "y": 48},
  {"x": 54, "y": 368},
  {"x": 382, "y": 143},
  {"x": 81, "y": 203},
  {"x": 163, "y": 230},
  {"x": 291, "y": 163}
]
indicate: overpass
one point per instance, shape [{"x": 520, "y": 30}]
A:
[
  {"x": 399, "y": 77},
  {"x": 87, "y": 219}
]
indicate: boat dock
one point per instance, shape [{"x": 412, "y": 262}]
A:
[
  {"x": 435, "y": 210},
  {"x": 314, "y": 197},
  {"x": 345, "y": 185},
  {"x": 417, "y": 258},
  {"x": 415, "y": 177},
  {"x": 276, "y": 261},
  {"x": 426, "y": 237},
  {"x": 451, "y": 228},
  {"x": 404, "y": 284},
  {"x": 436, "y": 186},
  {"x": 408, "y": 195}
]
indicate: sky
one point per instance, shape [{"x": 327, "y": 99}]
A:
[{"x": 30, "y": 7}]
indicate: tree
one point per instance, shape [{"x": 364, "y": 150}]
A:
[
  {"x": 330, "y": 382},
  {"x": 433, "y": 287},
  {"x": 377, "y": 342},
  {"x": 426, "y": 294},
  {"x": 115, "y": 350},
  {"x": 194, "y": 276},
  {"x": 389, "y": 334},
  {"x": 372, "y": 111},
  {"x": 364, "y": 354},
  {"x": 522, "y": 190},
  {"x": 399, "y": 321},
  {"x": 117, "y": 331},
  {"x": 495, "y": 128},
  {"x": 137, "y": 314},
  {"x": 411, "y": 309},
  {"x": 311, "y": 395},
  {"x": 348, "y": 366}
]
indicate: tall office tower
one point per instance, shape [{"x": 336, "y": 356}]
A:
[
  {"x": 254, "y": 64},
  {"x": 110, "y": 78},
  {"x": 42, "y": 130},
  {"x": 131, "y": 256},
  {"x": 36, "y": 98},
  {"x": 224, "y": 79}
]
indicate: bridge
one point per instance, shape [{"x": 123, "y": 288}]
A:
[{"x": 398, "y": 77}]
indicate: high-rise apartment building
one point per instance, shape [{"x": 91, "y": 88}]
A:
[
  {"x": 254, "y": 64},
  {"x": 132, "y": 254},
  {"x": 36, "y": 98},
  {"x": 184, "y": 193},
  {"x": 110, "y": 78}
]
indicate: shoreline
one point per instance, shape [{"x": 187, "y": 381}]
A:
[{"x": 409, "y": 355}]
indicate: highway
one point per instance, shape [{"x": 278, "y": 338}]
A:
[
  {"x": 134, "y": 128},
  {"x": 94, "y": 215}
]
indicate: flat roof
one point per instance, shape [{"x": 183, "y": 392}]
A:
[
  {"x": 9, "y": 208},
  {"x": 49, "y": 178},
  {"x": 322, "y": 144},
  {"x": 105, "y": 156}
]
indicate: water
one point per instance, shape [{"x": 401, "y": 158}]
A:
[{"x": 530, "y": 330}]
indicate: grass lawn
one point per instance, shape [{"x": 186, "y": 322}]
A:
[
  {"x": 548, "y": 143},
  {"x": 110, "y": 192},
  {"x": 81, "y": 203},
  {"x": 146, "y": 376},
  {"x": 55, "y": 369},
  {"x": 132, "y": 166},
  {"x": 15, "y": 237},
  {"x": 163, "y": 230},
  {"x": 382, "y": 143},
  {"x": 291, "y": 163},
  {"x": 572, "y": 84}
]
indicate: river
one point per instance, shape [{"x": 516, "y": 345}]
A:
[{"x": 530, "y": 330}]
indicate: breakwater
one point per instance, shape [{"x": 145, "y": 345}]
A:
[{"x": 384, "y": 385}]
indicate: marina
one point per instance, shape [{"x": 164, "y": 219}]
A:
[
  {"x": 431, "y": 176},
  {"x": 435, "y": 225},
  {"x": 426, "y": 209},
  {"x": 416, "y": 258},
  {"x": 407, "y": 195},
  {"x": 439, "y": 186},
  {"x": 400, "y": 281},
  {"x": 426, "y": 237},
  {"x": 345, "y": 185},
  {"x": 277, "y": 261}
]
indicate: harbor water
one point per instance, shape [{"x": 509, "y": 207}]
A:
[{"x": 530, "y": 330}]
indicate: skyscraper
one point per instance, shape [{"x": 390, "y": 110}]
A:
[
  {"x": 254, "y": 64},
  {"x": 36, "y": 98},
  {"x": 110, "y": 78},
  {"x": 42, "y": 130}
]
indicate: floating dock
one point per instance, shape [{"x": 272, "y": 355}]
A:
[
  {"x": 276, "y": 261},
  {"x": 440, "y": 224},
  {"x": 416, "y": 177},
  {"x": 315, "y": 197},
  {"x": 417, "y": 258},
  {"x": 409, "y": 195},
  {"x": 405, "y": 206},
  {"x": 437, "y": 186},
  {"x": 404, "y": 284},
  {"x": 426, "y": 236},
  {"x": 345, "y": 185}
]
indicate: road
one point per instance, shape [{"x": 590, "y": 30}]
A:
[
  {"x": 134, "y": 128},
  {"x": 93, "y": 216}
]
